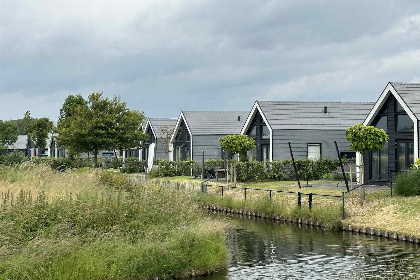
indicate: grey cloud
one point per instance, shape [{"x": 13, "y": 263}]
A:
[{"x": 167, "y": 56}]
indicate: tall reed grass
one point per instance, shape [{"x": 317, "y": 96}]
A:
[{"x": 101, "y": 225}]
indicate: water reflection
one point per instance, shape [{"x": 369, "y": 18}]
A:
[{"x": 268, "y": 250}]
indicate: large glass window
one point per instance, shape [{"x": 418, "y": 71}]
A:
[
  {"x": 253, "y": 132},
  {"x": 252, "y": 154},
  {"x": 398, "y": 107},
  {"x": 405, "y": 154},
  {"x": 380, "y": 163},
  {"x": 382, "y": 123},
  {"x": 265, "y": 133},
  {"x": 314, "y": 151},
  {"x": 404, "y": 123}
]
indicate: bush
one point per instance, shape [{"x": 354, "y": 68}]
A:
[
  {"x": 408, "y": 183},
  {"x": 134, "y": 165},
  {"x": 14, "y": 158},
  {"x": 250, "y": 171},
  {"x": 168, "y": 168}
]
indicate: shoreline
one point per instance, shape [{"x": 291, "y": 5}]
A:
[{"x": 415, "y": 239}]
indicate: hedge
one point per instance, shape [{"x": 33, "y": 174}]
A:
[
  {"x": 408, "y": 183},
  {"x": 251, "y": 170}
]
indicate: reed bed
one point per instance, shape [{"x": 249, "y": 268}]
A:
[{"x": 102, "y": 225}]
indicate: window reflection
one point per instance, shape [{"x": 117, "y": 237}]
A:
[
  {"x": 382, "y": 123},
  {"x": 404, "y": 123},
  {"x": 265, "y": 133}
]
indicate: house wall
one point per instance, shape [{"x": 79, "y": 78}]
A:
[
  {"x": 299, "y": 140},
  {"x": 418, "y": 133},
  {"x": 210, "y": 144}
]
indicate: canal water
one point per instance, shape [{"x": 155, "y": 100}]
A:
[{"x": 261, "y": 249}]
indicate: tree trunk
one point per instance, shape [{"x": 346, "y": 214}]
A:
[{"x": 95, "y": 158}]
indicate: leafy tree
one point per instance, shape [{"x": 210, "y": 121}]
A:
[
  {"x": 9, "y": 132},
  {"x": 98, "y": 123},
  {"x": 237, "y": 145},
  {"x": 365, "y": 139},
  {"x": 38, "y": 129}
]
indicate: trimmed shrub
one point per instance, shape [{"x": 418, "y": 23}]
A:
[{"x": 408, "y": 183}]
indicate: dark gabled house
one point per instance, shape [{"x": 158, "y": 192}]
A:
[
  {"x": 198, "y": 131},
  {"x": 397, "y": 111},
  {"x": 310, "y": 127},
  {"x": 159, "y": 133},
  {"x": 21, "y": 145}
]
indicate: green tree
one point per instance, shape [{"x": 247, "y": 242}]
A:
[
  {"x": 9, "y": 132},
  {"x": 365, "y": 139},
  {"x": 237, "y": 145},
  {"x": 98, "y": 123},
  {"x": 38, "y": 129}
]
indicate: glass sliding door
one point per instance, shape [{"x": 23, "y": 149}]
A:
[
  {"x": 379, "y": 164},
  {"x": 405, "y": 154}
]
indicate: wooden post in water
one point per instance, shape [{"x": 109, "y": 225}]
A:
[{"x": 344, "y": 212}]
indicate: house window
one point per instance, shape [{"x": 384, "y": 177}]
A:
[
  {"x": 253, "y": 132},
  {"x": 252, "y": 154},
  {"x": 404, "y": 123},
  {"x": 265, "y": 133},
  {"x": 380, "y": 163},
  {"x": 382, "y": 123},
  {"x": 314, "y": 151}
]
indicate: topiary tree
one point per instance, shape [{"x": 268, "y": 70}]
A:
[
  {"x": 365, "y": 139},
  {"x": 237, "y": 145}
]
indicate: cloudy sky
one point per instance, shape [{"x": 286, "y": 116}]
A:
[{"x": 165, "y": 56}]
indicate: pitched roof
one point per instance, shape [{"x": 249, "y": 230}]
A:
[
  {"x": 20, "y": 144},
  {"x": 410, "y": 93},
  {"x": 160, "y": 123},
  {"x": 310, "y": 115},
  {"x": 215, "y": 123}
]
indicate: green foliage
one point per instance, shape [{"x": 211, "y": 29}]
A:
[
  {"x": 9, "y": 132},
  {"x": 62, "y": 164},
  {"x": 366, "y": 138},
  {"x": 416, "y": 164},
  {"x": 237, "y": 144},
  {"x": 144, "y": 234},
  {"x": 13, "y": 158},
  {"x": 168, "y": 168},
  {"x": 97, "y": 124},
  {"x": 250, "y": 171},
  {"x": 134, "y": 165},
  {"x": 408, "y": 183},
  {"x": 38, "y": 129}
]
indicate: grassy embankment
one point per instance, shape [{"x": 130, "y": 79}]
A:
[
  {"x": 101, "y": 225},
  {"x": 378, "y": 210}
]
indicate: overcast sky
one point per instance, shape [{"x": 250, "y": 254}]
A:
[{"x": 162, "y": 57}]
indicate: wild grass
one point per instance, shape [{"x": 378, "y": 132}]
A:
[
  {"x": 324, "y": 209},
  {"x": 101, "y": 225},
  {"x": 377, "y": 209}
]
